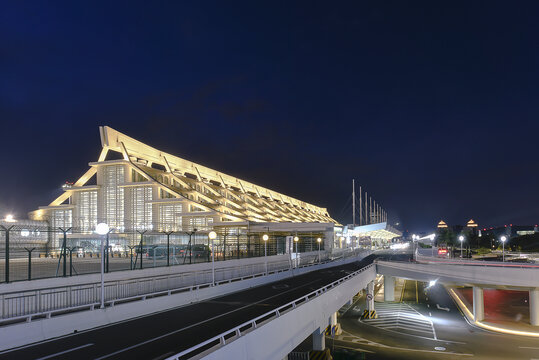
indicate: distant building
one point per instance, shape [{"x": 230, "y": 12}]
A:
[{"x": 442, "y": 225}]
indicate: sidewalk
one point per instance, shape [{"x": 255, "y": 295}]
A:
[{"x": 503, "y": 326}]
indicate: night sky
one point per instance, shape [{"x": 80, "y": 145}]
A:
[{"x": 431, "y": 106}]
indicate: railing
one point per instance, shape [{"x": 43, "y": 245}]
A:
[
  {"x": 240, "y": 330},
  {"x": 433, "y": 260},
  {"x": 39, "y": 303}
]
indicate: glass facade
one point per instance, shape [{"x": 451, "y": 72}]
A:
[
  {"x": 85, "y": 210},
  {"x": 170, "y": 217},
  {"x": 113, "y": 176},
  {"x": 139, "y": 208}
]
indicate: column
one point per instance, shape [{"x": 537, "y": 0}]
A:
[
  {"x": 319, "y": 339},
  {"x": 389, "y": 288},
  {"x": 478, "y": 304},
  {"x": 534, "y": 307},
  {"x": 370, "y": 294},
  {"x": 333, "y": 319}
]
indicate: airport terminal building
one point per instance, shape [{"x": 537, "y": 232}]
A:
[{"x": 135, "y": 188}]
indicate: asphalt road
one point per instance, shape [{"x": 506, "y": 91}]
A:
[
  {"x": 425, "y": 325},
  {"x": 163, "y": 334}
]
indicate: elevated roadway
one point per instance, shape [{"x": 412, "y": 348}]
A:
[
  {"x": 476, "y": 274},
  {"x": 170, "y": 332}
]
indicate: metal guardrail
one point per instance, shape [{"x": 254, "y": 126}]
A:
[
  {"x": 432, "y": 260},
  {"x": 234, "y": 333},
  {"x": 19, "y": 306}
]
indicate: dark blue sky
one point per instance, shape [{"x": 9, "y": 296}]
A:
[{"x": 432, "y": 106}]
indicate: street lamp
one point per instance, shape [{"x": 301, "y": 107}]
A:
[
  {"x": 503, "y": 238},
  {"x": 265, "y": 237},
  {"x": 102, "y": 229},
  {"x": 212, "y": 235},
  {"x": 461, "y": 239},
  {"x": 319, "y": 240}
]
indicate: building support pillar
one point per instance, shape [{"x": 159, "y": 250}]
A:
[
  {"x": 389, "y": 288},
  {"x": 534, "y": 306},
  {"x": 370, "y": 296},
  {"x": 319, "y": 339},
  {"x": 478, "y": 304}
]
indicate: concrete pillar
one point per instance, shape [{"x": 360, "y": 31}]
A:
[
  {"x": 370, "y": 291},
  {"x": 333, "y": 319},
  {"x": 389, "y": 288},
  {"x": 478, "y": 304},
  {"x": 534, "y": 307},
  {"x": 319, "y": 339}
]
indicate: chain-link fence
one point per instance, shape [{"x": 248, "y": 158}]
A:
[{"x": 33, "y": 252}]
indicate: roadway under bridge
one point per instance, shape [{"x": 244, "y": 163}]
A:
[{"x": 478, "y": 275}]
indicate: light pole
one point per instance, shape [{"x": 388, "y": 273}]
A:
[
  {"x": 503, "y": 238},
  {"x": 461, "y": 239},
  {"x": 212, "y": 235},
  {"x": 103, "y": 229},
  {"x": 265, "y": 237},
  {"x": 319, "y": 240},
  {"x": 296, "y": 240}
]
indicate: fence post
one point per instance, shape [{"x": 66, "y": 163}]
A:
[
  {"x": 64, "y": 250},
  {"x": 30, "y": 262},
  {"x": 141, "y": 241},
  {"x": 7, "y": 229}
]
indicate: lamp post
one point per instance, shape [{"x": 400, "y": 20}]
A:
[
  {"x": 319, "y": 240},
  {"x": 461, "y": 239},
  {"x": 102, "y": 229},
  {"x": 296, "y": 240},
  {"x": 503, "y": 238},
  {"x": 212, "y": 235},
  {"x": 265, "y": 237}
]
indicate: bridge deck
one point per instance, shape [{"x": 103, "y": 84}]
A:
[{"x": 170, "y": 332}]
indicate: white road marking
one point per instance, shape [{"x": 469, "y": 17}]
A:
[
  {"x": 401, "y": 317},
  {"x": 64, "y": 352},
  {"x": 529, "y": 347},
  {"x": 201, "y": 322},
  {"x": 442, "y": 308}
]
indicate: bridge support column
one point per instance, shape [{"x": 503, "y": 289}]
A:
[
  {"x": 370, "y": 294},
  {"x": 534, "y": 306},
  {"x": 319, "y": 339},
  {"x": 478, "y": 304},
  {"x": 389, "y": 288},
  {"x": 333, "y": 319}
]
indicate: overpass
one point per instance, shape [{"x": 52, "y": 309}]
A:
[
  {"x": 477, "y": 274},
  {"x": 244, "y": 312}
]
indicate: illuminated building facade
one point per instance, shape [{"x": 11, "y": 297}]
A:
[{"x": 135, "y": 187}]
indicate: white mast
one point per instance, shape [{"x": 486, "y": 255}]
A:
[
  {"x": 360, "y": 206},
  {"x": 354, "y": 202}
]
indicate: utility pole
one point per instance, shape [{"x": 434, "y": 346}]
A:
[{"x": 354, "y": 202}]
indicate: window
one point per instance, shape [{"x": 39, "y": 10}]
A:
[
  {"x": 86, "y": 218},
  {"x": 170, "y": 218},
  {"x": 113, "y": 195}
]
